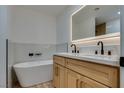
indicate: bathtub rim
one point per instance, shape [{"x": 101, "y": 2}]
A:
[{"x": 21, "y": 65}]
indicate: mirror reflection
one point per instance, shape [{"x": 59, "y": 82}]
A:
[{"x": 95, "y": 20}]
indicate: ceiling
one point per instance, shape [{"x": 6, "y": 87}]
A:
[{"x": 53, "y": 10}]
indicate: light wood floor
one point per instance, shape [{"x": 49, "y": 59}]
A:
[{"x": 41, "y": 85}]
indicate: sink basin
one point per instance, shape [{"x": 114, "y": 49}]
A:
[{"x": 102, "y": 57}]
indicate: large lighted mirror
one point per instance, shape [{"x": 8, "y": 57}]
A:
[{"x": 95, "y": 20}]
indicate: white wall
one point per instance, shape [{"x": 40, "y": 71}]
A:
[
  {"x": 63, "y": 25},
  {"x": 28, "y": 26},
  {"x": 3, "y": 37}
]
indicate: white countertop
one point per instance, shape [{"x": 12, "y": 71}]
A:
[{"x": 101, "y": 59}]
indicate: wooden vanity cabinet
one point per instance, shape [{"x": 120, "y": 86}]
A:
[
  {"x": 72, "y": 79},
  {"x": 75, "y": 80},
  {"x": 59, "y": 72},
  {"x": 107, "y": 75},
  {"x": 73, "y": 73},
  {"x": 59, "y": 60},
  {"x": 55, "y": 76},
  {"x": 59, "y": 76},
  {"x": 85, "y": 82}
]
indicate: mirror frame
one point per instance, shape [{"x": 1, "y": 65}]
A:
[{"x": 117, "y": 34}]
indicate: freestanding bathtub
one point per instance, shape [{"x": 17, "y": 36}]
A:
[{"x": 32, "y": 73}]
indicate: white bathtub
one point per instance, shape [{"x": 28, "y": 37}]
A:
[{"x": 32, "y": 73}]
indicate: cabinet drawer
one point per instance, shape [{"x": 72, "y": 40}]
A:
[
  {"x": 101, "y": 73},
  {"x": 59, "y": 60}
]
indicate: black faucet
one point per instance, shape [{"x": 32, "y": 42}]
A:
[
  {"x": 74, "y": 51},
  {"x": 102, "y": 50}
]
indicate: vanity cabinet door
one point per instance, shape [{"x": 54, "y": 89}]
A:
[
  {"x": 72, "y": 79},
  {"x": 59, "y": 76},
  {"x": 55, "y": 76},
  {"x": 85, "y": 82},
  {"x": 75, "y": 80}
]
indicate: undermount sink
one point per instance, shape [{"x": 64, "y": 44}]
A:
[{"x": 102, "y": 57}]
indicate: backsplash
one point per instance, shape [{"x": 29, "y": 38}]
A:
[
  {"x": 62, "y": 47},
  {"x": 21, "y": 51},
  {"x": 115, "y": 49}
]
